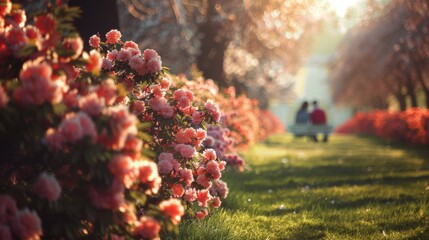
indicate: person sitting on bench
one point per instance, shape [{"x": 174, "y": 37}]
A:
[
  {"x": 318, "y": 117},
  {"x": 302, "y": 116}
]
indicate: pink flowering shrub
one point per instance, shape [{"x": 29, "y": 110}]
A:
[
  {"x": 104, "y": 144},
  {"x": 175, "y": 122},
  {"x": 242, "y": 123},
  {"x": 76, "y": 161},
  {"x": 410, "y": 126}
]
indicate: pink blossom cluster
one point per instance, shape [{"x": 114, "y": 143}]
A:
[
  {"x": 15, "y": 223},
  {"x": 187, "y": 167},
  {"x": 72, "y": 118},
  {"x": 218, "y": 139},
  {"x": 142, "y": 64},
  {"x": 235, "y": 160}
]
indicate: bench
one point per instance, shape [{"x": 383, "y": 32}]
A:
[{"x": 309, "y": 130}]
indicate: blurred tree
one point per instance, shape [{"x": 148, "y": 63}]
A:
[
  {"x": 386, "y": 55},
  {"x": 252, "y": 45}
]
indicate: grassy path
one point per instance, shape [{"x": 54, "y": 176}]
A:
[{"x": 349, "y": 188}]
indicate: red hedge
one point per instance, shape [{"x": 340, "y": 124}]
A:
[{"x": 410, "y": 126}]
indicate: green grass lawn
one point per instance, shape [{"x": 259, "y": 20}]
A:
[{"x": 349, "y": 188}]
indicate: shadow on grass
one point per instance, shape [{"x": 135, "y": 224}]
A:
[
  {"x": 307, "y": 231},
  {"x": 315, "y": 202},
  {"x": 319, "y": 177}
]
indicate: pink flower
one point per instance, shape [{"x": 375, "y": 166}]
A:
[
  {"x": 212, "y": 168},
  {"x": 138, "y": 106},
  {"x": 187, "y": 176},
  {"x": 121, "y": 124},
  {"x": 120, "y": 166},
  {"x": 92, "y": 104},
  {"x": 94, "y": 62},
  {"x": 4, "y": 99},
  {"x": 190, "y": 195},
  {"x": 94, "y": 41},
  {"x": 203, "y": 197},
  {"x": 165, "y": 167},
  {"x": 209, "y": 141},
  {"x": 201, "y": 214},
  {"x": 153, "y": 65},
  {"x": 47, "y": 187},
  {"x": 77, "y": 125},
  {"x": 147, "y": 228},
  {"x": 219, "y": 188},
  {"x": 209, "y": 155},
  {"x": 165, "y": 83},
  {"x": 173, "y": 209},
  {"x": 70, "y": 98},
  {"x": 216, "y": 202},
  {"x": 204, "y": 181},
  {"x": 213, "y": 109},
  {"x": 32, "y": 33},
  {"x": 5, "y": 7},
  {"x": 8, "y": 209},
  {"x": 15, "y": 37},
  {"x": 136, "y": 63},
  {"x": 45, "y": 23},
  {"x": 185, "y": 135},
  {"x": 107, "y": 90},
  {"x": 152, "y": 60},
  {"x": 27, "y": 225},
  {"x": 187, "y": 151},
  {"x": 180, "y": 93},
  {"x": 149, "y": 54},
  {"x": 19, "y": 17},
  {"x": 132, "y": 47},
  {"x": 157, "y": 91},
  {"x": 197, "y": 117},
  {"x": 113, "y": 36},
  {"x": 177, "y": 190},
  {"x": 124, "y": 55},
  {"x": 107, "y": 64},
  {"x": 112, "y": 55},
  {"x": 161, "y": 106},
  {"x": 37, "y": 85},
  {"x": 201, "y": 134},
  {"x": 133, "y": 145},
  {"x": 5, "y": 233},
  {"x": 222, "y": 165},
  {"x": 130, "y": 44},
  {"x": 73, "y": 47},
  {"x": 148, "y": 171}
]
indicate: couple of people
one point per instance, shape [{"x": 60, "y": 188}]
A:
[{"x": 315, "y": 117}]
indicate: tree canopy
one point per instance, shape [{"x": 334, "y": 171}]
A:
[
  {"x": 384, "y": 56},
  {"x": 252, "y": 45}
]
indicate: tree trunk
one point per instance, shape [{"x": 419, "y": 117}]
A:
[
  {"x": 213, "y": 47},
  {"x": 425, "y": 88},
  {"x": 98, "y": 16},
  {"x": 413, "y": 98},
  {"x": 402, "y": 101}
]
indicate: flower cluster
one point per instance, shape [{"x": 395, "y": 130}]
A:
[
  {"x": 105, "y": 140},
  {"x": 72, "y": 151},
  {"x": 24, "y": 224},
  {"x": 242, "y": 122},
  {"x": 177, "y": 120},
  {"x": 409, "y": 126}
]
